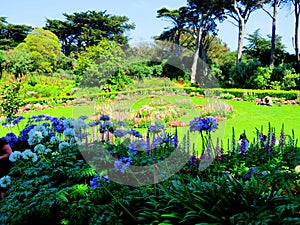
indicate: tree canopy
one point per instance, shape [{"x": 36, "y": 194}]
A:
[{"x": 84, "y": 29}]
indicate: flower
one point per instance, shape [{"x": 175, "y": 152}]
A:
[
  {"x": 5, "y": 181},
  {"x": 155, "y": 129},
  {"x": 96, "y": 181},
  {"x": 193, "y": 160},
  {"x": 138, "y": 145},
  {"x": 122, "y": 164},
  {"x": 69, "y": 123},
  {"x": 28, "y": 154},
  {"x": 55, "y": 140},
  {"x": 200, "y": 124},
  {"x": 15, "y": 156},
  {"x": 36, "y": 134},
  {"x": 297, "y": 169},
  {"x": 120, "y": 133},
  {"x": 40, "y": 148},
  {"x": 104, "y": 118},
  {"x": 63, "y": 146},
  {"x": 69, "y": 133},
  {"x": 134, "y": 133}
]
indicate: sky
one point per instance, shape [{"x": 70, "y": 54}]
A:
[{"x": 143, "y": 14}]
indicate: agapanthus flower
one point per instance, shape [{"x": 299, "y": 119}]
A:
[
  {"x": 69, "y": 123},
  {"x": 138, "y": 145},
  {"x": 41, "y": 149},
  {"x": 15, "y": 156},
  {"x": 55, "y": 140},
  {"x": 11, "y": 138},
  {"x": 104, "y": 118},
  {"x": 200, "y": 124},
  {"x": 18, "y": 120},
  {"x": 122, "y": 164},
  {"x": 35, "y": 138},
  {"x": 193, "y": 160},
  {"x": 120, "y": 133},
  {"x": 29, "y": 155},
  {"x": 155, "y": 129},
  {"x": 63, "y": 146},
  {"x": 69, "y": 133},
  {"x": 5, "y": 181},
  {"x": 96, "y": 181},
  {"x": 82, "y": 117},
  {"x": 134, "y": 133}
]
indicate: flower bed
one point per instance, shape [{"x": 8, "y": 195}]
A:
[{"x": 101, "y": 172}]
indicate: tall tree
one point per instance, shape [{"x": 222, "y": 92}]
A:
[
  {"x": 203, "y": 17},
  {"x": 80, "y": 30},
  {"x": 296, "y": 4},
  {"x": 12, "y": 34},
  {"x": 240, "y": 11},
  {"x": 179, "y": 19},
  {"x": 275, "y": 5}
]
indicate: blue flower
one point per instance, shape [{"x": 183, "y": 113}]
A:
[
  {"x": 200, "y": 124},
  {"x": 120, "y": 133},
  {"x": 104, "y": 118},
  {"x": 18, "y": 120},
  {"x": 155, "y": 129},
  {"x": 134, "y": 133},
  {"x": 82, "y": 117},
  {"x": 96, "y": 181},
  {"x": 122, "y": 164}
]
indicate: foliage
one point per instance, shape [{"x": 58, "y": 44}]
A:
[
  {"x": 18, "y": 62},
  {"x": 259, "y": 48},
  {"x": 95, "y": 26},
  {"x": 44, "y": 48},
  {"x": 260, "y": 79},
  {"x": 10, "y": 98},
  {"x": 12, "y": 34}
]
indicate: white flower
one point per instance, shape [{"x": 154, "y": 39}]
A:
[
  {"x": 55, "y": 140},
  {"x": 15, "y": 156},
  {"x": 28, "y": 154},
  {"x": 37, "y": 134},
  {"x": 39, "y": 148},
  {"x": 69, "y": 123},
  {"x": 69, "y": 133},
  {"x": 5, "y": 181},
  {"x": 63, "y": 145}
]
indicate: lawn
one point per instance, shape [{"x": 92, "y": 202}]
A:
[{"x": 247, "y": 116}]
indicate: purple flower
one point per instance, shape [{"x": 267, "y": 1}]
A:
[
  {"x": 281, "y": 140},
  {"x": 200, "y": 124},
  {"x": 193, "y": 160},
  {"x": 120, "y": 133},
  {"x": 96, "y": 181},
  {"x": 122, "y": 164},
  {"x": 155, "y": 129},
  {"x": 134, "y": 133}
]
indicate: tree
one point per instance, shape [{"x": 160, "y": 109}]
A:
[
  {"x": 203, "y": 16},
  {"x": 259, "y": 48},
  {"x": 11, "y": 34},
  {"x": 18, "y": 62},
  {"x": 44, "y": 48},
  {"x": 84, "y": 29},
  {"x": 275, "y": 4},
  {"x": 296, "y": 4},
  {"x": 179, "y": 19},
  {"x": 99, "y": 63},
  {"x": 240, "y": 11}
]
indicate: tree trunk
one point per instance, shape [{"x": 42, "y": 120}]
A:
[
  {"x": 241, "y": 33},
  {"x": 273, "y": 40},
  {"x": 196, "y": 55},
  {"x": 240, "y": 40},
  {"x": 297, "y": 37},
  {"x": 177, "y": 40}
]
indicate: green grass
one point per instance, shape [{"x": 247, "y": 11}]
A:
[{"x": 247, "y": 117}]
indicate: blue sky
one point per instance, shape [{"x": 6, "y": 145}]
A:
[{"x": 142, "y": 13}]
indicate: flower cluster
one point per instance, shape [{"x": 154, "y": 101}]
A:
[
  {"x": 200, "y": 124},
  {"x": 36, "y": 135},
  {"x": 137, "y": 145},
  {"x": 96, "y": 181},
  {"x": 155, "y": 129},
  {"x": 27, "y": 155},
  {"x": 122, "y": 164},
  {"x": 5, "y": 181}
]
